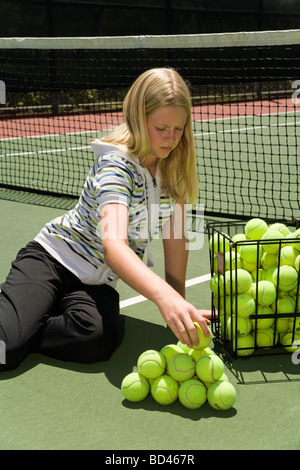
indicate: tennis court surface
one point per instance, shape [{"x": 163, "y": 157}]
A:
[{"x": 246, "y": 136}]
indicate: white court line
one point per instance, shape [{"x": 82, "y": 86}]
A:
[
  {"x": 141, "y": 298},
  {"x": 228, "y": 131},
  {"x": 38, "y": 152}
]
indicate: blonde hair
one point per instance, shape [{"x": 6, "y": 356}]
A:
[{"x": 153, "y": 89}]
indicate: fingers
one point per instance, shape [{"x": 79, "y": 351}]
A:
[
  {"x": 186, "y": 334},
  {"x": 185, "y": 330}
]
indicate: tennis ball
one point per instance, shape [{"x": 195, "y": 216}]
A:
[
  {"x": 181, "y": 367},
  {"x": 255, "y": 228},
  {"x": 238, "y": 281},
  {"x": 216, "y": 284},
  {"x": 291, "y": 342},
  {"x": 232, "y": 260},
  {"x": 203, "y": 340},
  {"x": 269, "y": 260},
  {"x": 265, "y": 338},
  {"x": 164, "y": 390},
  {"x": 219, "y": 243},
  {"x": 245, "y": 345},
  {"x": 192, "y": 394},
  {"x": 245, "y": 305},
  {"x": 242, "y": 304},
  {"x": 151, "y": 364},
  {"x": 264, "y": 292},
  {"x": 263, "y": 323},
  {"x": 237, "y": 238},
  {"x": 294, "y": 325},
  {"x": 282, "y": 325},
  {"x": 272, "y": 247},
  {"x": 221, "y": 395},
  {"x": 251, "y": 254},
  {"x": 288, "y": 256},
  {"x": 288, "y": 277},
  {"x": 135, "y": 387},
  {"x": 284, "y": 304},
  {"x": 197, "y": 353},
  {"x": 184, "y": 347},
  {"x": 209, "y": 368},
  {"x": 280, "y": 227},
  {"x": 258, "y": 274},
  {"x": 269, "y": 274},
  {"x": 169, "y": 350},
  {"x": 238, "y": 326},
  {"x": 297, "y": 263},
  {"x": 296, "y": 236}
]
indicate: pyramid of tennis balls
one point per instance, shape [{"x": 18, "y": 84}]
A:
[
  {"x": 194, "y": 376},
  {"x": 258, "y": 270}
]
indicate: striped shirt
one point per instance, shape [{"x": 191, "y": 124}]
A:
[{"x": 74, "y": 238}]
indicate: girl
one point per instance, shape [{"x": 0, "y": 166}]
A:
[{"x": 59, "y": 298}]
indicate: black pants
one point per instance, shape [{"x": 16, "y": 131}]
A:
[{"x": 45, "y": 308}]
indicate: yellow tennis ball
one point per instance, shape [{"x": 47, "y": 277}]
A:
[
  {"x": 269, "y": 274},
  {"x": 264, "y": 292},
  {"x": 255, "y": 228},
  {"x": 258, "y": 274},
  {"x": 245, "y": 345},
  {"x": 242, "y": 304},
  {"x": 135, "y": 387},
  {"x": 204, "y": 342},
  {"x": 232, "y": 260},
  {"x": 164, "y": 390},
  {"x": 287, "y": 278},
  {"x": 209, "y": 368},
  {"x": 237, "y": 238},
  {"x": 181, "y": 367},
  {"x": 296, "y": 236},
  {"x": 245, "y": 305},
  {"x": 184, "y": 347},
  {"x": 272, "y": 237},
  {"x": 294, "y": 325},
  {"x": 297, "y": 263},
  {"x": 282, "y": 325},
  {"x": 288, "y": 256},
  {"x": 269, "y": 260},
  {"x": 219, "y": 243},
  {"x": 169, "y": 350},
  {"x": 237, "y": 281},
  {"x": 221, "y": 395},
  {"x": 265, "y": 338},
  {"x": 238, "y": 326},
  {"x": 151, "y": 364},
  {"x": 263, "y": 323},
  {"x": 192, "y": 394},
  {"x": 251, "y": 254},
  {"x": 197, "y": 353},
  {"x": 280, "y": 227},
  {"x": 291, "y": 342},
  {"x": 216, "y": 284},
  {"x": 284, "y": 304}
]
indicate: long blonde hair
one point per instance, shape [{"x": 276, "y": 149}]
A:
[{"x": 153, "y": 89}]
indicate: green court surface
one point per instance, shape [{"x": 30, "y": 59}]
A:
[{"x": 49, "y": 404}]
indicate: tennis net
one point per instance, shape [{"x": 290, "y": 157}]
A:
[{"x": 59, "y": 93}]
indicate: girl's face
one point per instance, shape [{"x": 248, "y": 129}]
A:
[{"x": 165, "y": 127}]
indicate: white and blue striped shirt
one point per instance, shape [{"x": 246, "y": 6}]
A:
[{"x": 74, "y": 238}]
